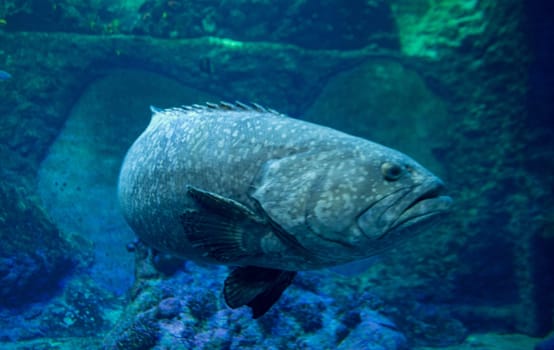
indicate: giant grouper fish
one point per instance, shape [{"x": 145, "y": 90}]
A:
[{"x": 269, "y": 195}]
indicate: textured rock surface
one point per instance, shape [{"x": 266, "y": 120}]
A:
[
  {"x": 492, "y": 341},
  {"x": 546, "y": 344},
  {"x": 312, "y": 24},
  {"x": 34, "y": 255},
  {"x": 490, "y": 262},
  {"x": 163, "y": 314},
  {"x": 500, "y": 187},
  {"x": 430, "y": 28}
]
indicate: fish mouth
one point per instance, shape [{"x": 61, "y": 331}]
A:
[
  {"x": 407, "y": 207},
  {"x": 428, "y": 202}
]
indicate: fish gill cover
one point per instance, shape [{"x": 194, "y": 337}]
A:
[{"x": 446, "y": 83}]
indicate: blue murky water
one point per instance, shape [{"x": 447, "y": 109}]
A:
[{"x": 463, "y": 87}]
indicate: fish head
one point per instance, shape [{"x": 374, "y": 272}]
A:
[{"x": 371, "y": 200}]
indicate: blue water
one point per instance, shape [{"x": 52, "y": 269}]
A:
[
  {"x": 4, "y": 75},
  {"x": 463, "y": 87}
]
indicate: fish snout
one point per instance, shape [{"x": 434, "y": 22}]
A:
[
  {"x": 425, "y": 202},
  {"x": 409, "y": 207}
]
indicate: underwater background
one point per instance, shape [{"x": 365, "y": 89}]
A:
[{"x": 463, "y": 86}]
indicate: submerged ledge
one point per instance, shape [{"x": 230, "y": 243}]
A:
[{"x": 52, "y": 68}]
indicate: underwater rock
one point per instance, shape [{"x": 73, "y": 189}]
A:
[
  {"x": 374, "y": 332},
  {"x": 547, "y": 344},
  {"x": 169, "y": 308},
  {"x": 505, "y": 195},
  {"x": 164, "y": 313},
  {"x": 167, "y": 263},
  {"x": 34, "y": 255},
  {"x": 428, "y": 28},
  {"x": 80, "y": 310},
  {"x": 142, "y": 333},
  {"x": 348, "y": 322},
  {"x": 308, "y": 23},
  {"x": 492, "y": 263},
  {"x": 432, "y": 325},
  {"x": 386, "y": 102},
  {"x": 202, "y": 306},
  {"x": 307, "y": 311}
]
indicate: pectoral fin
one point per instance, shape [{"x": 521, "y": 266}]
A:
[
  {"x": 256, "y": 287},
  {"x": 223, "y": 228},
  {"x": 220, "y": 205},
  {"x": 222, "y": 240}
]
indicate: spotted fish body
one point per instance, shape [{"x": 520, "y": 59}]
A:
[{"x": 248, "y": 187}]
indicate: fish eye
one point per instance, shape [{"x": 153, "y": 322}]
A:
[{"x": 391, "y": 171}]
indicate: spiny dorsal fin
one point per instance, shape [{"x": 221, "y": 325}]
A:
[
  {"x": 237, "y": 106},
  {"x": 243, "y": 106},
  {"x": 227, "y": 106},
  {"x": 259, "y": 108}
]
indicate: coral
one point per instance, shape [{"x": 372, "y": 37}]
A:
[
  {"x": 202, "y": 305},
  {"x": 307, "y": 313},
  {"x": 169, "y": 308},
  {"x": 348, "y": 322},
  {"x": 300, "y": 319},
  {"x": 142, "y": 334},
  {"x": 81, "y": 311}
]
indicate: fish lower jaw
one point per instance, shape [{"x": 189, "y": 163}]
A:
[{"x": 422, "y": 211}]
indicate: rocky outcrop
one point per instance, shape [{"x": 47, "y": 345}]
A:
[
  {"x": 311, "y": 24},
  {"x": 164, "y": 313},
  {"x": 35, "y": 256}
]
